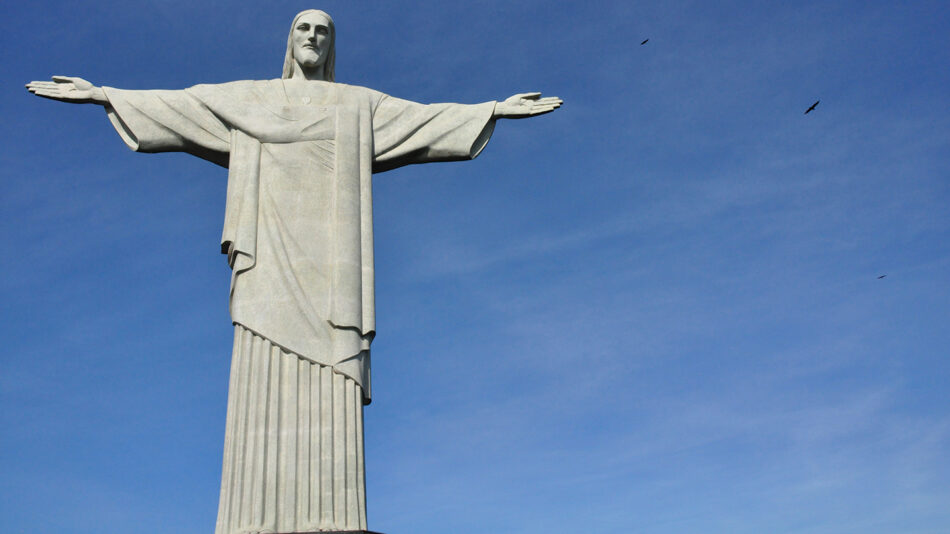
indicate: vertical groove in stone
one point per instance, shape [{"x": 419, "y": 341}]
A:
[
  {"x": 350, "y": 452},
  {"x": 244, "y": 463},
  {"x": 315, "y": 482},
  {"x": 339, "y": 451},
  {"x": 326, "y": 448},
  {"x": 244, "y": 400},
  {"x": 302, "y": 513},
  {"x": 257, "y": 437},
  {"x": 287, "y": 445},
  {"x": 235, "y": 404},
  {"x": 360, "y": 467},
  {"x": 270, "y": 444},
  {"x": 293, "y": 449}
]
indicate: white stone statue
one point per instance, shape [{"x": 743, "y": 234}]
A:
[{"x": 298, "y": 234}]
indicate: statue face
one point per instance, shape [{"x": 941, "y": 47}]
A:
[{"x": 311, "y": 40}]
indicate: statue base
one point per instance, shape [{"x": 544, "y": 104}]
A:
[{"x": 332, "y": 532}]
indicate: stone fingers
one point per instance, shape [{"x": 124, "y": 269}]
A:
[
  {"x": 545, "y": 105},
  {"x": 538, "y": 110},
  {"x": 48, "y": 94},
  {"x": 42, "y": 85},
  {"x": 550, "y": 100},
  {"x": 47, "y": 88}
]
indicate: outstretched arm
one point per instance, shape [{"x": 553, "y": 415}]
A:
[
  {"x": 69, "y": 89},
  {"x": 524, "y": 105},
  {"x": 153, "y": 120}
]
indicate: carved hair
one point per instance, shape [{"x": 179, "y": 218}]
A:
[{"x": 328, "y": 65}]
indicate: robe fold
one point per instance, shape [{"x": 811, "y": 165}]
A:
[{"x": 298, "y": 223}]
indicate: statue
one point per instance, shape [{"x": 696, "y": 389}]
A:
[{"x": 298, "y": 234}]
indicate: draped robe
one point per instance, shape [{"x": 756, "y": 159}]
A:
[{"x": 298, "y": 223}]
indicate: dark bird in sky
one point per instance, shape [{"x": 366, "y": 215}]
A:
[
  {"x": 644, "y": 42},
  {"x": 882, "y": 276},
  {"x": 813, "y": 106}
]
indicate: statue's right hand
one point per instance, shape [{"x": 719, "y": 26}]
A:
[{"x": 69, "y": 89}]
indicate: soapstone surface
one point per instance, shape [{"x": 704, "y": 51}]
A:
[{"x": 298, "y": 235}]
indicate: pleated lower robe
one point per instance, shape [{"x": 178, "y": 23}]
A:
[{"x": 293, "y": 447}]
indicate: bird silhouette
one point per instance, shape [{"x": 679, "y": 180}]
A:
[
  {"x": 813, "y": 106},
  {"x": 644, "y": 42},
  {"x": 882, "y": 276}
]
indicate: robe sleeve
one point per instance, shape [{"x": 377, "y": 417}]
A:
[
  {"x": 168, "y": 121},
  {"x": 406, "y": 132}
]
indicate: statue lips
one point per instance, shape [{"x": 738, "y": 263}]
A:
[{"x": 314, "y": 49}]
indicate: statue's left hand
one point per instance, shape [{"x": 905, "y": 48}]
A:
[
  {"x": 525, "y": 105},
  {"x": 69, "y": 89}
]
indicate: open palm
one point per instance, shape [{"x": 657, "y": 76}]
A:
[
  {"x": 68, "y": 89},
  {"x": 524, "y": 105}
]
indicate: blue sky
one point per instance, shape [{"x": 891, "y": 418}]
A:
[{"x": 655, "y": 310}]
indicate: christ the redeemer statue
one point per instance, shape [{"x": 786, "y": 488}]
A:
[{"x": 298, "y": 234}]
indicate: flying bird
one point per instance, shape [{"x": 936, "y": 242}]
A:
[
  {"x": 882, "y": 276},
  {"x": 644, "y": 42},
  {"x": 813, "y": 106}
]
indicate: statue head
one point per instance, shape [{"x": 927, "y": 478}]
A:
[{"x": 311, "y": 44}]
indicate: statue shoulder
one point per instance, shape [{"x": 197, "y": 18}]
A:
[
  {"x": 360, "y": 92},
  {"x": 226, "y": 87}
]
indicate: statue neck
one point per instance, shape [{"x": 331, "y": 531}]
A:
[{"x": 304, "y": 73}]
